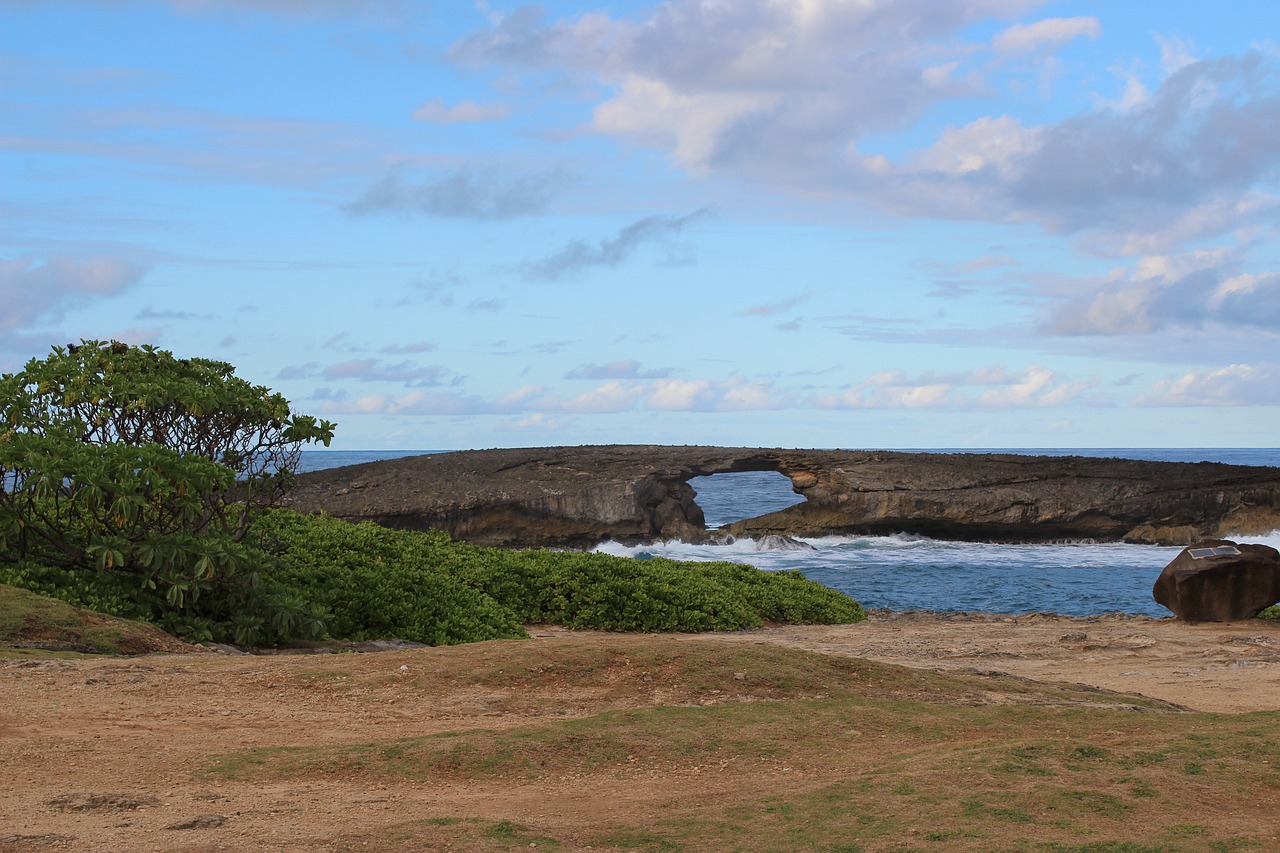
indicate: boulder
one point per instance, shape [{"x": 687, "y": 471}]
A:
[{"x": 1220, "y": 581}]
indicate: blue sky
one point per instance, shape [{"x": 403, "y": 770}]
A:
[{"x": 798, "y": 223}]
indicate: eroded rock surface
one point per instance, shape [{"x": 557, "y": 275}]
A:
[
  {"x": 1220, "y": 581},
  {"x": 580, "y": 496}
]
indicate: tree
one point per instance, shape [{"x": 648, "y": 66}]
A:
[{"x": 128, "y": 462}]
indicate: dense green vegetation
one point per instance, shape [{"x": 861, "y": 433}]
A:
[
  {"x": 362, "y": 581},
  {"x": 142, "y": 485},
  {"x": 130, "y": 479},
  {"x": 426, "y": 587}
]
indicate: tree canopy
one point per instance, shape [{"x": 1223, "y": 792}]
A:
[{"x": 129, "y": 460}]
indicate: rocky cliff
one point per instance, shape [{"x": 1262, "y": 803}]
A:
[{"x": 580, "y": 496}]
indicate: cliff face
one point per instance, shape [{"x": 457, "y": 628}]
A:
[{"x": 580, "y": 496}]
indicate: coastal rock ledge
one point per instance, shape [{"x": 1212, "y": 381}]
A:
[{"x": 578, "y": 497}]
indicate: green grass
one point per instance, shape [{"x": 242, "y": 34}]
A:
[{"x": 36, "y": 622}]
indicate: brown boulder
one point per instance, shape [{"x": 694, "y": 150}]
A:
[{"x": 1220, "y": 581}]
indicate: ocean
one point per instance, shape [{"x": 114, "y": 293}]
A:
[{"x": 913, "y": 572}]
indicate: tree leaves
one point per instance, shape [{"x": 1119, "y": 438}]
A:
[{"x": 126, "y": 459}]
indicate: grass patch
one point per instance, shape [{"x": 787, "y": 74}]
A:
[{"x": 31, "y": 621}]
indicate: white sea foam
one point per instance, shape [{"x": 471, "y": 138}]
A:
[{"x": 905, "y": 572}]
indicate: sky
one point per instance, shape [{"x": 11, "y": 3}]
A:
[{"x": 781, "y": 223}]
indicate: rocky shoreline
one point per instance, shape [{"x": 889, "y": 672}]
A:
[{"x": 577, "y": 497}]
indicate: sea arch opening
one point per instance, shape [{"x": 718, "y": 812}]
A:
[{"x": 735, "y": 496}]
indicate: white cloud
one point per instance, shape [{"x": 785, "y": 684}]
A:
[
  {"x": 1234, "y": 385},
  {"x": 1134, "y": 95},
  {"x": 996, "y": 388},
  {"x": 754, "y": 82},
  {"x": 616, "y": 396},
  {"x": 1049, "y": 33},
  {"x": 660, "y": 395},
  {"x": 1195, "y": 290},
  {"x": 674, "y": 395},
  {"x": 42, "y": 290},
  {"x": 1035, "y": 386},
  {"x": 798, "y": 94},
  {"x": 691, "y": 125},
  {"x": 992, "y": 145},
  {"x": 1175, "y": 53},
  {"x": 423, "y": 402}
]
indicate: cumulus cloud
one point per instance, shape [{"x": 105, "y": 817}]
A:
[
  {"x": 793, "y": 94},
  {"x": 1049, "y": 33},
  {"x": 1192, "y": 161},
  {"x": 36, "y": 290},
  {"x": 1234, "y": 385},
  {"x": 752, "y": 81},
  {"x": 580, "y": 255},
  {"x": 987, "y": 388},
  {"x": 462, "y": 194},
  {"x": 615, "y": 396},
  {"x": 1195, "y": 290}
]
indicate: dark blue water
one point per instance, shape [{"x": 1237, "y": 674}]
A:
[{"x": 908, "y": 572}]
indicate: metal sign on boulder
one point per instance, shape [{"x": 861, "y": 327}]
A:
[{"x": 1220, "y": 581}]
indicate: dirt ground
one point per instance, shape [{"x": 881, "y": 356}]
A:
[
  {"x": 111, "y": 754},
  {"x": 1210, "y": 666}
]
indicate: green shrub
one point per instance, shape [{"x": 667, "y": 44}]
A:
[
  {"x": 1272, "y": 612},
  {"x": 426, "y": 587},
  {"x": 619, "y": 594},
  {"x": 787, "y": 596},
  {"x": 380, "y": 583}
]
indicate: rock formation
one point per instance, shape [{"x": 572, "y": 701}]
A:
[
  {"x": 1220, "y": 581},
  {"x": 580, "y": 496}
]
